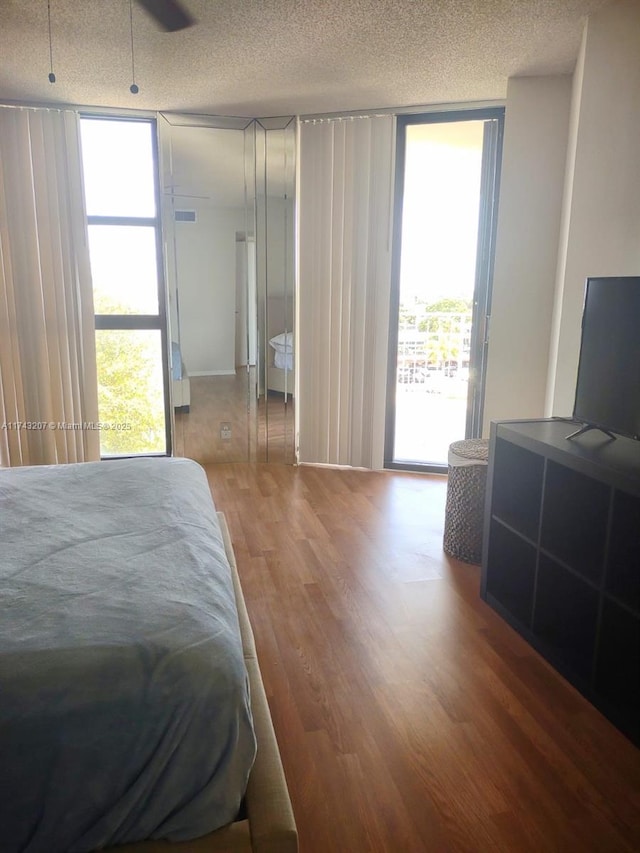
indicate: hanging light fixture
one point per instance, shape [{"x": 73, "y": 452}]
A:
[
  {"x": 170, "y": 14},
  {"x": 133, "y": 88},
  {"x": 52, "y": 76}
]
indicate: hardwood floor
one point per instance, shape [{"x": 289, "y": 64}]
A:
[
  {"x": 410, "y": 717},
  {"x": 261, "y": 429}
]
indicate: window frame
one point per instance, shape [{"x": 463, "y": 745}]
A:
[
  {"x": 487, "y": 229},
  {"x": 134, "y": 322}
]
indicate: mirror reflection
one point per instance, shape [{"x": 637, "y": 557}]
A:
[
  {"x": 228, "y": 188},
  {"x": 275, "y": 147}
]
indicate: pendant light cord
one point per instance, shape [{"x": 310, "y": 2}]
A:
[
  {"x": 52, "y": 76},
  {"x": 133, "y": 88}
]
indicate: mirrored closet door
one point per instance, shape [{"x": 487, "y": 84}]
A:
[
  {"x": 228, "y": 188},
  {"x": 275, "y": 196}
]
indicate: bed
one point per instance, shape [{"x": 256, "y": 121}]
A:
[
  {"x": 281, "y": 350},
  {"x": 132, "y": 701},
  {"x": 280, "y": 369},
  {"x": 180, "y": 384}
]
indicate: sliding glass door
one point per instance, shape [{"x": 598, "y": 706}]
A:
[
  {"x": 121, "y": 193},
  {"x": 444, "y": 229}
]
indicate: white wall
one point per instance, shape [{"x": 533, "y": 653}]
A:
[
  {"x": 279, "y": 267},
  {"x": 529, "y": 215},
  {"x": 280, "y": 218},
  {"x": 206, "y": 277},
  {"x": 601, "y": 232}
]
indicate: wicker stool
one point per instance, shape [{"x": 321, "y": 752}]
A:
[{"x": 464, "y": 514}]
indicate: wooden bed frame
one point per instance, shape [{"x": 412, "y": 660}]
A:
[{"x": 269, "y": 825}]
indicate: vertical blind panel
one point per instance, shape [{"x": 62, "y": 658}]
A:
[
  {"x": 47, "y": 350},
  {"x": 340, "y": 308},
  {"x": 346, "y": 174}
]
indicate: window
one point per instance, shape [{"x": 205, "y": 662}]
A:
[
  {"x": 121, "y": 196},
  {"x": 447, "y": 189}
]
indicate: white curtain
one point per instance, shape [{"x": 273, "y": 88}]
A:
[
  {"x": 47, "y": 340},
  {"x": 345, "y": 218}
]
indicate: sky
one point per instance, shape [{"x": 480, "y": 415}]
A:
[
  {"x": 440, "y": 210},
  {"x": 118, "y": 166}
]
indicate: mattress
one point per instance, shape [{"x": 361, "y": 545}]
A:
[
  {"x": 125, "y": 710},
  {"x": 282, "y": 345},
  {"x": 283, "y": 360}
]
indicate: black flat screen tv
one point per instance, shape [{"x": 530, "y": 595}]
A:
[{"x": 608, "y": 383}]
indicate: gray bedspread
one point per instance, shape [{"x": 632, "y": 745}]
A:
[{"x": 124, "y": 708}]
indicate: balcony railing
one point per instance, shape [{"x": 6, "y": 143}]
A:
[{"x": 435, "y": 347}]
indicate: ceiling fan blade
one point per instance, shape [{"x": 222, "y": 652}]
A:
[{"x": 170, "y": 14}]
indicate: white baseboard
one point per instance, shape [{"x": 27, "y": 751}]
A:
[{"x": 336, "y": 466}]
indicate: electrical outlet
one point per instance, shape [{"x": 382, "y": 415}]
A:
[{"x": 225, "y": 430}]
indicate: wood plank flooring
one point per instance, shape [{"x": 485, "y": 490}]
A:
[
  {"x": 261, "y": 429},
  {"x": 410, "y": 717}
]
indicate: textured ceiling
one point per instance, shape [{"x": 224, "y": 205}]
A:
[{"x": 282, "y": 57}]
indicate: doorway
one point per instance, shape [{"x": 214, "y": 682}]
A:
[{"x": 447, "y": 175}]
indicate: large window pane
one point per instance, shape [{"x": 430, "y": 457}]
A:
[
  {"x": 124, "y": 232},
  {"x": 441, "y": 203},
  {"x": 124, "y": 269},
  {"x": 130, "y": 392},
  {"x": 118, "y": 166}
]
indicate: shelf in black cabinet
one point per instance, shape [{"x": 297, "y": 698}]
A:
[
  {"x": 617, "y": 679},
  {"x": 574, "y": 519},
  {"x": 513, "y": 564},
  {"x": 594, "y": 584},
  {"x": 567, "y": 567},
  {"x": 566, "y": 616},
  {"x": 505, "y": 523},
  {"x": 517, "y": 487},
  {"x": 623, "y": 563}
]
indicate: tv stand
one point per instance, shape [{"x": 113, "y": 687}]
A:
[
  {"x": 586, "y": 428},
  {"x": 561, "y": 556}
]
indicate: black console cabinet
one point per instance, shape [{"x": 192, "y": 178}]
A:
[{"x": 561, "y": 557}]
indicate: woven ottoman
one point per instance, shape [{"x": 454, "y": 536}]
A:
[{"x": 464, "y": 513}]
